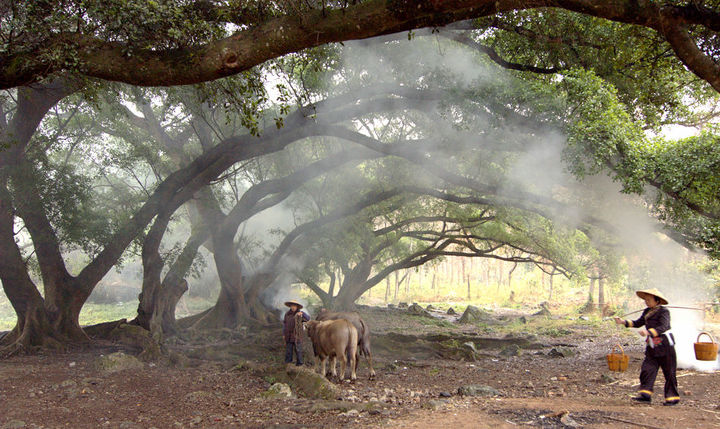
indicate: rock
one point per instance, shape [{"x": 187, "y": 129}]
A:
[
  {"x": 568, "y": 421},
  {"x": 511, "y": 350},
  {"x": 14, "y": 424},
  {"x": 445, "y": 394},
  {"x": 477, "y": 390},
  {"x": 434, "y": 404},
  {"x": 473, "y": 314},
  {"x": 585, "y": 318},
  {"x": 402, "y": 305},
  {"x": 118, "y": 361},
  {"x": 136, "y": 336},
  {"x": 604, "y": 378},
  {"x": 68, "y": 383},
  {"x": 561, "y": 352},
  {"x": 278, "y": 390},
  {"x": 418, "y": 311},
  {"x": 311, "y": 384},
  {"x": 522, "y": 319},
  {"x": 91, "y": 381},
  {"x": 430, "y": 307},
  {"x": 350, "y": 413},
  {"x": 451, "y": 311},
  {"x": 544, "y": 310}
]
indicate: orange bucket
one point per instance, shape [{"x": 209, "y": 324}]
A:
[
  {"x": 617, "y": 362},
  {"x": 706, "y": 351}
]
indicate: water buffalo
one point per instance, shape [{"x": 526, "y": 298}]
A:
[
  {"x": 336, "y": 339},
  {"x": 362, "y": 329}
]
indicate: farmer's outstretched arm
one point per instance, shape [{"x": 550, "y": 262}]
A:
[{"x": 632, "y": 323}]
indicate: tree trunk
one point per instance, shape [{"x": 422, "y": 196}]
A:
[
  {"x": 33, "y": 327},
  {"x": 397, "y": 286},
  {"x": 601, "y": 293},
  {"x": 468, "y": 285},
  {"x": 510, "y": 273},
  {"x": 230, "y": 308},
  {"x": 433, "y": 281},
  {"x": 152, "y": 269},
  {"x": 387, "y": 288},
  {"x": 551, "y": 287}
]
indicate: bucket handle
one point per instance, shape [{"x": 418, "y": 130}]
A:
[
  {"x": 712, "y": 340},
  {"x": 621, "y": 349}
]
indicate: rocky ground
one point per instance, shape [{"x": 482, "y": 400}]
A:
[{"x": 432, "y": 372}]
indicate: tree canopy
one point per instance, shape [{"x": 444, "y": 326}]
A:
[{"x": 473, "y": 133}]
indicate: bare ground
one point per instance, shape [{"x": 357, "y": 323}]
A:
[{"x": 416, "y": 386}]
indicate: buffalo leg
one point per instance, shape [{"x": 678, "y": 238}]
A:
[
  {"x": 322, "y": 365},
  {"x": 353, "y": 366},
  {"x": 333, "y": 366},
  {"x": 343, "y": 367},
  {"x": 368, "y": 356}
]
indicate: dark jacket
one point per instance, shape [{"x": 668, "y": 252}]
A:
[
  {"x": 289, "y": 326},
  {"x": 657, "y": 322}
]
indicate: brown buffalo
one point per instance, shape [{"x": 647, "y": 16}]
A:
[
  {"x": 335, "y": 339},
  {"x": 362, "y": 329}
]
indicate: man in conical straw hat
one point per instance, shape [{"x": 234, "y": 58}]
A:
[
  {"x": 292, "y": 331},
  {"x": 654, "y": 324}
]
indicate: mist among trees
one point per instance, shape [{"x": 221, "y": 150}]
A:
[{"x": 337, "y": 144}]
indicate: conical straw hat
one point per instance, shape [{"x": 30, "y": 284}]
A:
[
  {"x": 289, "y": 303},
  {"x": 654, "y": 292}
]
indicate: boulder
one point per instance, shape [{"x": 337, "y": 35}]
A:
[
  {"x": 511, "y": 350},
  {"x": 278, "y": 391},
  {"x": 311, "y": 384},
  {"x": 473, "y": 314},
  {"x": 118, "y": 361},
  {"x": 418, "y": 311},
  {"x": 435, "y": 404},
  {"x": 561, "y": 352},
  {"x": 544, "y": 310},
  {"x": 451, "y": 311},
  {"x": 478, "y": 390},
  {"x": 136, "y": 336}
]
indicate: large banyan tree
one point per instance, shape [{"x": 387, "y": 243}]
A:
[{"x": 603, "y": 73}]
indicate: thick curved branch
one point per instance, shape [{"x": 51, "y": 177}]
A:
[{"x": 296, "y": 31}]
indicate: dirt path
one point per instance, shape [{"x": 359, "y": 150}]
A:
[{"x": 514, "y": 413}]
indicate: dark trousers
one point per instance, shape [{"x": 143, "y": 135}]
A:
[
  {"x": 649, "y": 370},
  {"x": 289, "y": 347}
]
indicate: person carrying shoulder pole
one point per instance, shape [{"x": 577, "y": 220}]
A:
[
  {"x": 291, "y": 332},
  {"x": 654, "y": 324}
]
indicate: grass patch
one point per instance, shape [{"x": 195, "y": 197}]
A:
[
  {"x": 434, "y": 322},
  {"x": 97, "y": 313}
]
